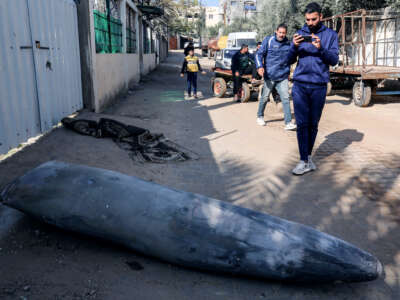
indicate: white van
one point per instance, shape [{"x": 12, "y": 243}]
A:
[{"x": 236, "y": 39}]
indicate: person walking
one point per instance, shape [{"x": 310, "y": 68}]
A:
[
  {"x": 242, "y": 64},
  {"x": 191, "y": 66},
  {"x": 271, "y": 62},
  {"x": 316, "y": 48}
]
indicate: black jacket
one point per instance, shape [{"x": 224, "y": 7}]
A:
[{"x": 237, "y": 58}]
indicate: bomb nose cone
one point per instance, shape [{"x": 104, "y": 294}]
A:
[
  {"x": 366, "y": 270},
  {"x": 379, "y": 269}
]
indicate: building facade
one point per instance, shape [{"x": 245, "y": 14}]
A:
[
  {"x": 213, "y": 16},
  {"x": 120, "y": 40},
  {"x": 232, "y": 9}
]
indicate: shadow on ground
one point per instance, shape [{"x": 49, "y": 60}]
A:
[{"x": 353, "y": 201}]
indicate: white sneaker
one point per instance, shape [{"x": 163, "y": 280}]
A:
[
  {"x": 260, "y": 121},
  {"x": 311, "y": 164},
  {"x": 301, "y": 168},
  {"x": 290, "y": 126}
]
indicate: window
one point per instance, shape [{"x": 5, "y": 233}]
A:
[
  {"x": 130, "y": 30},
  {"x": 147, "y": 39},
  {"x": 107, "y": 26},
  {"x": 249, "y": 42},
  {"x": 229, "y": 53},
  {"x": 210, "y": 17}
]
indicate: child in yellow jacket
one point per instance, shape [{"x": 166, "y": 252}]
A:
[{"x": 191, "y": 66}]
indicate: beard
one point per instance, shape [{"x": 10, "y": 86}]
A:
[{"x": 314, "y": 29}]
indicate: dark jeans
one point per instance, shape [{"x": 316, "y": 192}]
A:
[
  {"x": 308, "y": 102},
  {"x": 237, "y": 80},
  {"x": 192, "y": 81}
]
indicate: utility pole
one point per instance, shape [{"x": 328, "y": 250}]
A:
[{"x": 224, "y": 13}]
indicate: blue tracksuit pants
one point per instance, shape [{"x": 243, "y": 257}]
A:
[
  {"x": 192, "y": 82},
  {"x": 308, "y": 102}
]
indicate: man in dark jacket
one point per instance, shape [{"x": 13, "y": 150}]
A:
[
  {"x": 310, "y": 80},
  {"x": 242, "y": 63},
  {"x": 271, "y": 61}
]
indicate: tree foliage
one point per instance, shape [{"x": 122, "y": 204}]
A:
[
  {"x": 290, "y": 12},
  {"x": 178, "y": 23},
  {"x": 213, "y": 31}
]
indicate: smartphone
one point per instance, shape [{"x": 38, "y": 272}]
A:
[{"x": 307, "y": 38}]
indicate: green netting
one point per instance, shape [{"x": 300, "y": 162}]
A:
[
  {"x": 130, "y": 41},
  {"x": 102, "y": 33},
  {"x": 146, "y": 45}
]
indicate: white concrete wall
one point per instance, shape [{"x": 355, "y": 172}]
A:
[
  {"x": 149, "y": 62},
  {"x": 114, "y": 73},
  {"x": 217, "y": 16}
]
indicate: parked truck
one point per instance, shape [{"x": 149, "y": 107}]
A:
[
  {"x": 212, "y": 45},
  {"x": 236, "y": 39}
]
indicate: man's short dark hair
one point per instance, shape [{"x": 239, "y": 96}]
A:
[
  {"x": 259, "y": 43},
  {"x": 282, "y": 26},
  {"x": 244, "y": 46},
  {"x": 312, "y": 8}
]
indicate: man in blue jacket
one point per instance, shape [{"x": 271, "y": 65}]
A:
[
  {"x": 316, "y": 48},
  {"x": 271, "y": 62}
]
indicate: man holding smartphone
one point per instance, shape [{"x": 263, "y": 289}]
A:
[{"x": 316, "y": 48}]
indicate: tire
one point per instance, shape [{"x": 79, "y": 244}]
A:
[
  {"x": 362, "y": 93},
  {"x": 219, "y": 87},
  {"x": 245, "y": 92},
  {"x": 329, "y": 89}
]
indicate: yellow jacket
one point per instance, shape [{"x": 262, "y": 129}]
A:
[{"x": 191, "y": 64}]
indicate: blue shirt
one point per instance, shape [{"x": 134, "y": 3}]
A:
[
  {"x": 272, "y": 56},
  {"x": 313, "y": 64}
]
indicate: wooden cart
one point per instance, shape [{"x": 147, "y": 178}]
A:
[
  {"x": 369, "y": 51},
  {"x": 223, "y": 80}
]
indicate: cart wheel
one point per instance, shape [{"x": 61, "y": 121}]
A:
[
  {"x": 361, "y": 93},
  {"x": 245, "y": 92},
  {"x": 219, "y": 87},
  {"x": 329, "y": 89}
]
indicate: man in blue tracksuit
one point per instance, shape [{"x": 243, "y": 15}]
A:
[
  {"x": 316, "y": 48},
  {"x": 271, "y": 62}
]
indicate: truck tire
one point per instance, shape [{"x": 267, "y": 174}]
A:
[
  {"x": 245, "y": 92},
  {"x": 219, "y": 87},
  {"x": 362, "y": 93}
]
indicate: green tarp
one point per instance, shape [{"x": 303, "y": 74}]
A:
[{"x": 102, "y": 33}]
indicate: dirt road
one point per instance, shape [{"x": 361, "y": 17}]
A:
[{"x": 354, "y": 195}]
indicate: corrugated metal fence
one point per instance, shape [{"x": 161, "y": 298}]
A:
[{"x": 40, "y": 76}]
